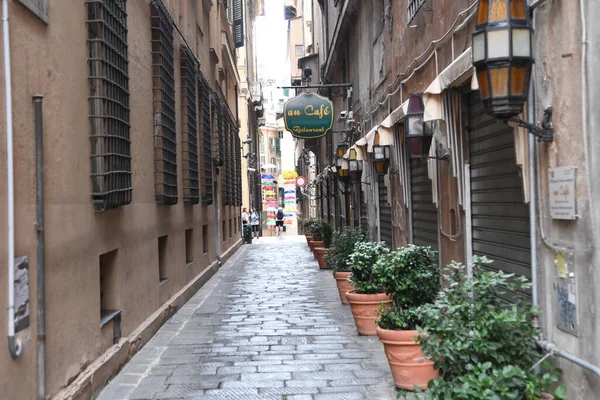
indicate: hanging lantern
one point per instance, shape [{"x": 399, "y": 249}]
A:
[
  {"x": 418, "y": 134},
  {"x": 381, "y": 156},
  {"x": 502, "y": 56},
  {"x": 341, "y": 166},
  {"x": 355, "y": 166}
]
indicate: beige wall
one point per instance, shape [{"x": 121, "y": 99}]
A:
[
  {"x": 296, "y": 38},
  {"x": 52, "y": 60}
]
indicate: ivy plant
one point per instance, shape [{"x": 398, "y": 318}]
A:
[
  {"x": 365, "y": 276},
  {"x": 411, "y": 277},
  {"x": 484, "y": 347},
  {"x": 342, "y": 246}
]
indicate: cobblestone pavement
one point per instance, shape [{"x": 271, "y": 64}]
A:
[{"x": 268, "y": 325}]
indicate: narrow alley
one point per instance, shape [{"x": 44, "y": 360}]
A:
[{"x": 268, "y": 325}]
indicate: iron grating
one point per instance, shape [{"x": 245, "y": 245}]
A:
[
  {"x": 205, "y": 126},
  {"x": 189, "y": 142},
  {"x": 109, "y": 103}
]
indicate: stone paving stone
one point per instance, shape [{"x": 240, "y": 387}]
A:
[{"x": 268, "y": 325}]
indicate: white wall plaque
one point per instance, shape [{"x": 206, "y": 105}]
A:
[
  {"x": 561, "y": 184},
  {"x": 38, "y": 7}
]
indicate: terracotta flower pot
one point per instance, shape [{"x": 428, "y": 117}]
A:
[
  {"x": 308, "y": 238},
  {"x": 364, "y": 310},
  {"x": 320, "y": 254},
  {"x": 343, "y": 285},
  {"x": 316, "y": 244},
  {"x": 409, "y": 367}
]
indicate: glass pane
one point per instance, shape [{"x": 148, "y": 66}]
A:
[
  {"x": 517, "y": 80},
  {"x": 482, "y": 12},
  {"x": 415, "y": 147},
  {"x": 479, "y": 47},
  {"x": 379, "y": 167},
  {"x": 498, "y": 44},
  {"x": 517, "y": 9},
  {"x": 378, "y": 153},
  {"x": 499, "y": 79},
  {"x": 484, "y": 84},
  {"x": 498, "y": 10},
  {"x": 353, "y": 165},
  {"x": 521, "y": 43},
  {"x": 415, "y": 125}
]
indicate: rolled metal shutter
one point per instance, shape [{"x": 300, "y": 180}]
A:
[
  {"x": 500, "y": 218},
  {"x": 385, "y": 213},
  {"x": 424, "y": 212}
]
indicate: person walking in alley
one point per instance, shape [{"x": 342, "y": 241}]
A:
[
  {"x": 279, "y": 220},
  {"x": 244, "y": 217},
  {"x": 254, "y": 222}
]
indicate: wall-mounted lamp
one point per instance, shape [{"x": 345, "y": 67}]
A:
[
  {"x": 354, "y": 166},
  {"x": 340, "y": 151},
  {"x": 307, "y": 75},
  {"x": 502, "y": 56},
  {"x": 381, "y": 157}
]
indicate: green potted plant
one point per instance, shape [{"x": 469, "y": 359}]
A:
[
  {"x": 411, "y": 277},
  {"x": 316, "y": 229},
  {"x": 369, "y": 294},
  {"x": 321, "y": 250},
  {"x": 306, "y": 225},
  {"x": 342, "y": 246},
  {"x": 483, "y": 348}
]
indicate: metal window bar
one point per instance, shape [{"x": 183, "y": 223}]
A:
[
  {"x": 413, "y": 7},
  {"x": 226, "y": 160},
  {"x": 189, "y": 142},
  {"x": 163, "y": 88},
  {"x": 109, "y": 104},
  {"x": 205, "y": 127},
  {"x": 238, "y": 170},
  {"x": 217, "y": 123}
]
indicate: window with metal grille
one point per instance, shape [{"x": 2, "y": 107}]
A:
[
  {"x": 413, "y": 7},
  {"x": 238, "y": 170},
  {"x": 226, "y": 139},
  {"x": 163, "y": 88},
  {"x": 109, "y": 103},
  {"x": 238, "y": 22},
  {"x": 206, "y": 147},
  {"x": 218, "y": 129},
  {"x": 189, "y": 142}
]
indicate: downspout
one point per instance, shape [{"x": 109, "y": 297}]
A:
[
  {"x": 14, "y": 345},
  {"x": 41, "y": 246}
]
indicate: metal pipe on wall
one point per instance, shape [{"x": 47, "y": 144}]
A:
[
  {"x": 14, "y": 345},
  {"x": 41, "y": 246}
]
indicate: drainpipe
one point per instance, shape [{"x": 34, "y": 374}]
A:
[
  {"x": 14, "y": 345},
  {"x": 41, "y": 246}
]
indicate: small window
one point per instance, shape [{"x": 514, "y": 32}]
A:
[
  {"x": 205, "y": 239},
  {"x": 413, "y": 7},
  {"x": 162, "y": 258},
  {"x": 299, "y": 50},
  {"x": 262, "y": 160},
  {"x": 273, "y": 160},
  {"x": 109, "y": 284},
  {"x": 280, "y": 134},
  {"x": 189, "y": 246}
]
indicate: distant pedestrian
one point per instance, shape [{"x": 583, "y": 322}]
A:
[
  {"x": 254, "y": 222},
  {"x": 279, "y": 220},
  {"x": 244, "y": 217}
]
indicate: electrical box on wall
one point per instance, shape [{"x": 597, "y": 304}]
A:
[{"x": 565, "y": 292}]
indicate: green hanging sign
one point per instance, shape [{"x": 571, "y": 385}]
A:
[{"x": 308, "y": 116}]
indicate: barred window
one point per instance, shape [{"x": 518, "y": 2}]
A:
[
  {"x": 238, "y": 170},
  {"x": 163, "y": 88},
  {"x": 109, "y": 103},
  {"x": 206, "y": 148},
  {"x": 413, "y": 7},
  {"x": 217, "y": 129},
  {"x": 189, "y": 154}
]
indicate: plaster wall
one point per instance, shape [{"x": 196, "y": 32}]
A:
[{"x": 52, "y": 60}]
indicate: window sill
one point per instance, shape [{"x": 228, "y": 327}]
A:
[
  {"x": 108, "y": 315},
  {"x": 163, "y": 281},
  {"x": 189, "y": 264}
]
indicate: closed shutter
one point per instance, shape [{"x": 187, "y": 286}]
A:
[
  {"x": 385, "y": 213},
  {"x": 500, "y": 218},
  {"x": 364, "y": 217},
  {"x": 424, "y": 212}
]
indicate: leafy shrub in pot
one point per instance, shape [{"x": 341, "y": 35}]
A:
[
  {"x": 342, "y": 246},
  {"x": 483, "y": 347},
  {"x": 411, "y": 277},
  {"x": 369, "y": 295}
]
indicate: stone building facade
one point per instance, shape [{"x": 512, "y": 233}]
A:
[{"x": 142, "y": 173}]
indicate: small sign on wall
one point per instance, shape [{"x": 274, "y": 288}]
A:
[
  {"x": 38, "y": 7},
  {"x": 563, "y": 201}
]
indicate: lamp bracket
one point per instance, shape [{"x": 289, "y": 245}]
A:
[{"x": 545, "y": 132}]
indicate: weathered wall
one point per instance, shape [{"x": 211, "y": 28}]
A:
[
  {"x": 52, "y": 60},
  {"x": 559, "y": 83}
]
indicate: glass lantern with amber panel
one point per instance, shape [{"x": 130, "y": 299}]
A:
[
  {"x": 381, "y": 157},
  {"x": 342, "y": 170},
  {"x": 502, "y": 55},
  {"x": 354, "y": 165}
]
